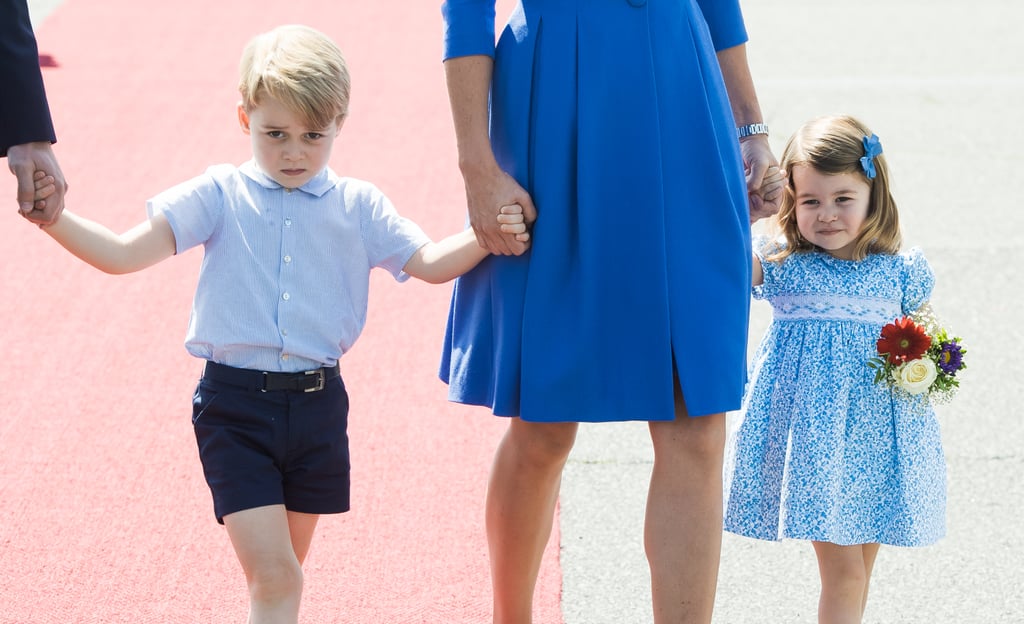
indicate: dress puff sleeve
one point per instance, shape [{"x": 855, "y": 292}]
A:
[
  {"x": 468, "y": 27},
  {"x": 725, "y": 22},
  {"x": 918, "y": 280},
  {"x": 764, "y": 246}
]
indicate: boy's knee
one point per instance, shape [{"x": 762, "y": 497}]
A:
[{"x": 276, "y": 582}]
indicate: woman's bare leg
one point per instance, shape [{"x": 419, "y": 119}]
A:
[
  {"x": 521, "y": 497},
  {"x": 683, "y": 532}
]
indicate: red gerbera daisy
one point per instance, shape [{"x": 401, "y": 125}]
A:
[{"x": 903, "y": 341}]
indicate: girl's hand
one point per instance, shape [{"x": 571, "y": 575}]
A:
[
  {"x": 488, "y": 191},
  {"x": 513, "y": 222}
]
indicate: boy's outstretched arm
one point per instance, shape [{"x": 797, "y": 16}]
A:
[
  {"x": 142, "y": 246},
  {"x": 452, "y": 256}
]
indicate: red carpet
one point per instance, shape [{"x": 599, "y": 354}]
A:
[{"x": 105, "y": 516}]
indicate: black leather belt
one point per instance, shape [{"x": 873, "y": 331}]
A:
[{"x": 265, "y": 381}]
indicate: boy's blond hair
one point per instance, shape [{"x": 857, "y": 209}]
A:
[{"x": 299, "y": 67}]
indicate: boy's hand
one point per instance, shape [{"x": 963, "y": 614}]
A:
[
  {"x": 44, "y": 186},
  {"x": 513, "y": 222}
]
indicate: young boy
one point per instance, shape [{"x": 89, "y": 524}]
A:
[{"x": 282, "y": 294}]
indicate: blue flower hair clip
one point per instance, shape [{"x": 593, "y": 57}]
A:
[{"x": 872, "y": 148}]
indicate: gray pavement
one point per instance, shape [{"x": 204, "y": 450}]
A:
[{"x": 941, "y": 82}]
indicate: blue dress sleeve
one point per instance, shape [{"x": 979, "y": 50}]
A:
[
  {"x": 918, "y": 280},
  {"x": 468, "y": 27},
  {"x": 764, "y": 246},
  {"x": 725, "y": 22}
]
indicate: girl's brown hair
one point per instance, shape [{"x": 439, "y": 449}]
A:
[{"x": 834, "y": 145}]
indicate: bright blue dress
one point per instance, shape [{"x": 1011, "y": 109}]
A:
[
  {"x": 819, "y": 452},
  {"x": 614, "y": 116}
]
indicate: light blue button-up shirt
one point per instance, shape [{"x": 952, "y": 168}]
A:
[{"x": 285, "y": 277}]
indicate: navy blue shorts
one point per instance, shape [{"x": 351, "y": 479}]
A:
[{"x": 272, "y": 447}]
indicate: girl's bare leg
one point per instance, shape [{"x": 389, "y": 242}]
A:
[
  {"x": 683, "y": 532},
  {"x": 521, "y": 497},
  {"x": 845, "y": 572},
  {"x": 263, "y": 539},
  {"x": 870, "y": 553}
]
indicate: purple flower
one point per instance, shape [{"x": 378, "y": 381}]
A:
[{"x": 950, "y": 358}]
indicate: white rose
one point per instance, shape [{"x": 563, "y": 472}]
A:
[{"x": 916, "y": 376}]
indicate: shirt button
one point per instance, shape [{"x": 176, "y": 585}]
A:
[
  {"x": 287, "y": 259},
  {"x": 286, "y": 296},
  {"x": 284, "y": 332},
  {"x": 284, "y": 356},
  {"x": 287, "y": 222}
]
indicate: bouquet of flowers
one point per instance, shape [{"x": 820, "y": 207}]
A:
[{"x": 917, "y": 356}]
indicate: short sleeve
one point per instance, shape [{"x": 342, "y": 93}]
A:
[
  {"x": 193, "y": 208},
  {"x": 389, "y": 238},
  {"x": 725, "y": 22},
  {"x": 763, "y": 247},
  {"x": 468, "y": 27},
  {"x": 918, "y": 280}
]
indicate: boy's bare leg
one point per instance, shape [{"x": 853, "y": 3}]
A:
[
  {"x": 301, "y": 527},
  {"x": 683, "y": 531},
  {"x": 263, "y": 542}
]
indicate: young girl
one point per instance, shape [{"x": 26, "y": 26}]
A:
[{"x": 820, "y": 452}]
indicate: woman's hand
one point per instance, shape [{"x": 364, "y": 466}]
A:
[
  {"x": 765, "y": 181},
  {"x": 487, "y": 192}
]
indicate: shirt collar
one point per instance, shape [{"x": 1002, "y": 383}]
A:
[{"x": 317, "y": 185}]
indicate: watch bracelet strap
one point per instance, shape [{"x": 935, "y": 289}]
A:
[{"x": 751, "y": 129}]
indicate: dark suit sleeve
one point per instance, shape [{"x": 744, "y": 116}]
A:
[{"x": 24, "y": 113}]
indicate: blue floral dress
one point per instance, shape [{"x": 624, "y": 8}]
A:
[{"x": 819, "y": 451}]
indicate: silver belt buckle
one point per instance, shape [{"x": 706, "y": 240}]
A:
[{"x": 320, "y": 380}]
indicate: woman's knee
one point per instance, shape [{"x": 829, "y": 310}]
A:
[
  {"x": 694, "y": 437},
  {"x": 543, "y": 443}
]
